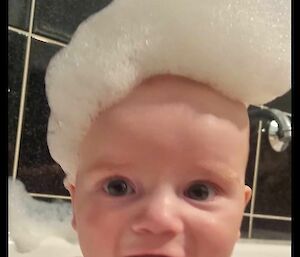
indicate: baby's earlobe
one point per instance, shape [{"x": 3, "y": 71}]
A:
[
  {"x": 71, "y": 189},
  {"x": 248, "y": 194}
]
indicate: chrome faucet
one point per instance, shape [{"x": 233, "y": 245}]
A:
[{"x": 280, "y": 128}]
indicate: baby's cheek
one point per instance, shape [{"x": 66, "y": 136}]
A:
[
  {"x": 97, "y": 219},
  {"x": 214, "y": 234},
  {"x": 98, "y": 232}
]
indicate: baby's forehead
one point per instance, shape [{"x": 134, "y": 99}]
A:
[
  {"x": 156, "y": 120},
  {"x": 166, "y": 95}
]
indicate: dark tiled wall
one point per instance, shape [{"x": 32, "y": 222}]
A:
[
  {"x": 18, "y": 13},
  {"x": 59, "y": 19},
  {"x": 274, "y": 179},
  {"x": 271, "y": 229},
  {"x": 16, "y": 57},
  {"x": 36, "y": 168},
  {"x": 268, "y": 215}
]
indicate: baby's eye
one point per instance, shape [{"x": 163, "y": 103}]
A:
[
  {"x": 118, "y": 187},
  {"x": 200, "y": 191}
]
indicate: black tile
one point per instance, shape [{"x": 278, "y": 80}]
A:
[
  {"x": 273, "y": 196},
  {"x": 252, "y": 152},
  {"x": 19, "y": 13},
  {"x": 282, "y": 103},
  {"x": 245, "y": 227},
  {"x": 37, "y": 170},
  {"x": 271, "y": 229},
  {"x": 59, "y": 19},
  {"x": 16, "y": 58}
]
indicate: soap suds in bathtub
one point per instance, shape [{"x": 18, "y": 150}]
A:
[{"x": 31, "y": 221}]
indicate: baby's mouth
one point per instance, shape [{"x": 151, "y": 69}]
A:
[
  {"x": 152, "y": 254},
  {"x": 149, "y": 255}
]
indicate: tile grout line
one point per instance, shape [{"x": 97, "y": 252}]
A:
[
  {"x": 267, "y": 216},
  {"x": 48, "y": 40},
  {"x": 257, "y": 155},
  {"x": 20, "y": 31},
  {"x": 50, "y": 196},
  {"x": 37, "y": 37},
  {"x": 271, "y": 217},
  {"x": 23, "y": 92}
]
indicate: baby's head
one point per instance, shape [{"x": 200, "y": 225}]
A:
[
  {"x": 149, "y": 121},
  {"x": 162, "y": 172}
]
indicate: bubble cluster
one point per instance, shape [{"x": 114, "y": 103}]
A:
[
  {"x": 241, "y": 48},
  {"x": 32, "y": 221}
]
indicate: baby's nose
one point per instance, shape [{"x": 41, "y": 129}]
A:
[{"x": 160, "y": 213}]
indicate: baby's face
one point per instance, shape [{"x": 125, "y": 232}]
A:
[{"x": 162, "y": 173}]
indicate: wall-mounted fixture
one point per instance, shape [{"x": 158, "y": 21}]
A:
[{"x": 279, "y": 126}]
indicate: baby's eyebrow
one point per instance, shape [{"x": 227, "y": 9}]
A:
[
  {"x": 218, "y": 169},
  {"x": 102, "y": 168},
  {"x": 208, "y": 169},
  {"x": 107, "y": 165}
]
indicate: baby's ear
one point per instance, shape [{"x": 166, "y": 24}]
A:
[
  {"x": 247, "y": 195},
  {"x": 71, "y": 188}
]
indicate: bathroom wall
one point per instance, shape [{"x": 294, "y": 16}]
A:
[{"x": 37, "y": 30}]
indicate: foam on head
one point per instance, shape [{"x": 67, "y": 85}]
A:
[{"x": 241, "y": 48}]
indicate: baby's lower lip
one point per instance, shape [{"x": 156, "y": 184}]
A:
[{"x": 149, "y": 255}]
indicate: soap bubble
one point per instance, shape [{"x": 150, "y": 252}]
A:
[{"x": 31, "y": 221}]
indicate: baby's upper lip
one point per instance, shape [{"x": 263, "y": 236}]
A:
[{"x": 174, "y": 251}]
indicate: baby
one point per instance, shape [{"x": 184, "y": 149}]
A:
[{"x": 149, "y": 121}]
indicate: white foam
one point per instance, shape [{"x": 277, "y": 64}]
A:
[
  {"x": 240, "y": 47},
  {"x": 32, "y": 221},
  {"x": 50, "y": 247}
]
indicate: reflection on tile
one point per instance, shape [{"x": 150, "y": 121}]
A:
[
  {"x": 245, "y": 227},
  {"x": 19, "y": 13},
  {"x": 282, "y": 103},
  {"x": 16, "y": 57},
  {"x": 59, "y": 19},
  {"x": 273, "y": 196},
  {"x": 37, "y": 170},
  {"x": 271, "y": 229},
  {"x": 252, "y": 153}
]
